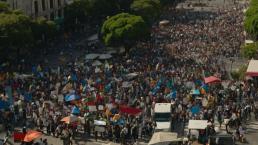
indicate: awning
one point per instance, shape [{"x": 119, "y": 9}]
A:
[
  {"x": 252, "y": 69},
  {"x": 197, "y": 124}
]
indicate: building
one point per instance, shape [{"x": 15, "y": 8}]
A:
[{"x": 50, "y": 9}]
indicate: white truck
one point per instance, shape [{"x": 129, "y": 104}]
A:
[{"x": 162, "y": 116}]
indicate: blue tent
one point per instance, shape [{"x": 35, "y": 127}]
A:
[
  {"x": 72, "y": 97},
  {"x": 75, "y": 110}
]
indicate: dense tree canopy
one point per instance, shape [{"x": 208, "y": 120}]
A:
[
  {"x": 43, "y": 29},
  {"x": 124, "y": 29},
  {"x": 250, "y": 50},
  {"x": 148, "y": 9},
  {"x": 4, "y": 7}
]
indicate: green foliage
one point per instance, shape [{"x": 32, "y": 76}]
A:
[
  {"x": 123, "y": 29},
  {"x": 148, "y": 9},
  {"x": 4, "y": 7},
  {"x": 252, "y": 10},
  {"x": 75, "y": 13},
  {"x": 250, "y": 50},
  {"x": 16, "y": 28},
  {"x": 240, "y": 73},
  {"x": 102, "y": 8},
  {"x": 251, "y": 25},
  {"x": 43, "y": 29}
]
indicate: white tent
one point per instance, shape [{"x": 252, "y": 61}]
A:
[
  {"x": 163, "y": 138},
  {"x": 91, "y": 56},
  {"x": 197, "y": 124},
  {"x": 126, "y": 84},
  {"x": 252, "y": 69},
  {"x": 93, "y": 37},
  {"x": 105, "y": 56}
]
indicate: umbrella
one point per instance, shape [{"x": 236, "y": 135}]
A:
[
  {"x": 31, "y": 135},
  {"x": 96, "y": 63},
  {"x": 70, "y": 119},
  {"x": 91, "y": 56},
  {"x": 75, "y": 110},
  {"x": 126, "y": 84},
  {"x": 195, "y": 92},
  {"x": 162, "y": 138},
  {"x": 105, "y": 56},
  {"x": 93, "y": 37},
  {"x": 131, "y": 75},
  {"x": 72, "y": 97},
  {"x": 211, "y": 79}
]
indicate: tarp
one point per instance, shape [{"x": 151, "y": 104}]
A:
[
  {"x": 130, "y": 110},
  {"x": 163, "y": 138},
  {"x": 211, "y": 79},
  {"x": 195, "y": 109},
  {"x": 252, "y": 69},
  {"x": 197, "y": 124}
]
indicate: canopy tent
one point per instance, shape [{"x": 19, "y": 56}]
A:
[
  {"x": 197, "y": 124},
  {"x": 252, "y": 69},
  {"x": 211, "y": 79},
  {"x": 163, "y": 138},
  {"x": 105, "y": 56},
  {"x": 93, "y": 37},
  {"x": 130, "y": 110},
  {"x": 91, "y": 56}
]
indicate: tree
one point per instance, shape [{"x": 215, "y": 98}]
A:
[
  {"x": 75, "y": 13},
  {"x": 102, "y": 8},
  {"x": 148, "y": 9},
  {"x": 4, "y": 7},
  {"x": 17, "y": 32},
  {"x": 249, "y": 50},
  {"x": 124, "y": 29},
  {"x": 124, "y": 5},
  {"x": 251, "y": 25},
  {"x": 43, "y": 29}
]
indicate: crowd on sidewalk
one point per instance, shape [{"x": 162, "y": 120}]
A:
[{"x": 168, "y": 70}]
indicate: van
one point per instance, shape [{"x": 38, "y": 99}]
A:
[{"x": 162, "y": 116}]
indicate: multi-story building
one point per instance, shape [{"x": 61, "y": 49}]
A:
[{"x": 49, "y": 9}]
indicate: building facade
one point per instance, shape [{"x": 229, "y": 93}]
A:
[{"x": 50, "y": 9}]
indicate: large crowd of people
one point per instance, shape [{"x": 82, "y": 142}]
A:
[{"x": 178, "y": 59}]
